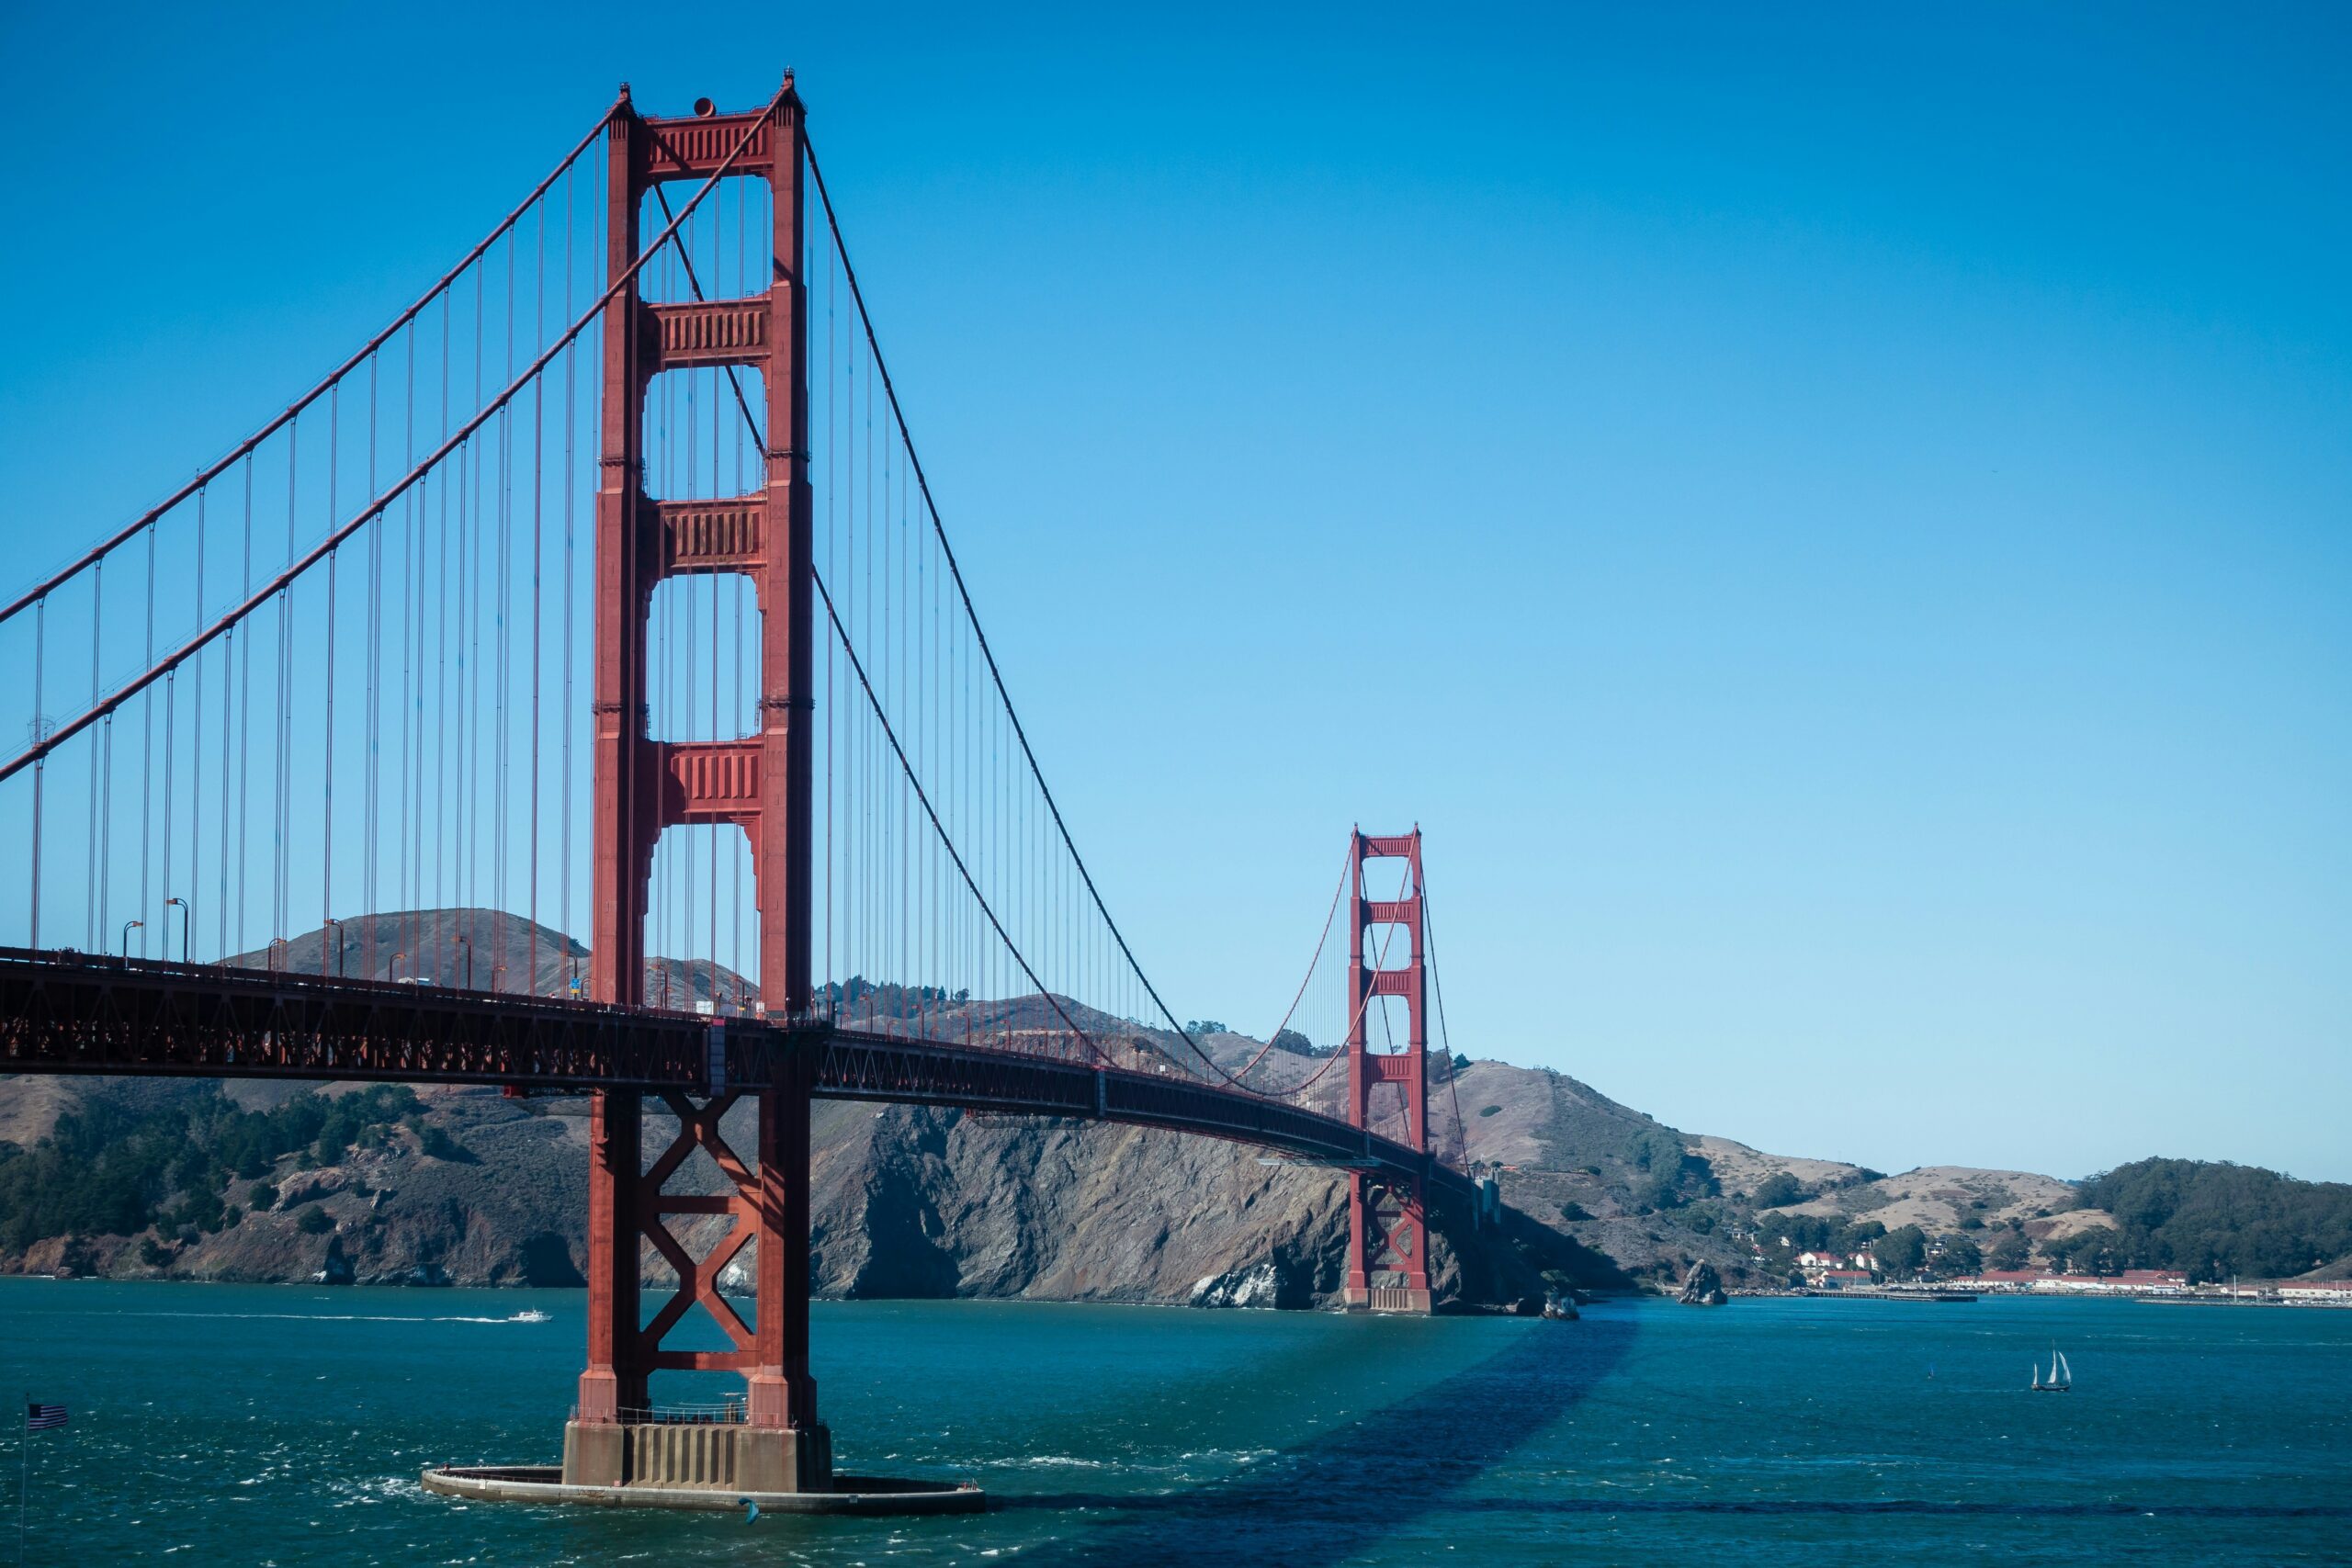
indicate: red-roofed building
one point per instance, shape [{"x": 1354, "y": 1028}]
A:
[
  {"x": 1824, "y": 1259},
  {"x": 2003, "y": 1279},
  {"x": 2316, "y": 1290},
  {"x": 2130, "y": 1282}
]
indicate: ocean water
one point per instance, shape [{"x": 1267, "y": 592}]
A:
[{"x": 287, "y": 1425}]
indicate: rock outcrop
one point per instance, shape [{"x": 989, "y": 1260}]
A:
[{"x": 1703, "y": 1286}]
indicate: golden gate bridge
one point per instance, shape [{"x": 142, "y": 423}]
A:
[{"x": 604, "y": 585}]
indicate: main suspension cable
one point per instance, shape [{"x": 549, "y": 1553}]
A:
[
  {"x": 50, "y": 740},
  {"x": 205, "y": 476},
  {"x": 923, "y": 482}
]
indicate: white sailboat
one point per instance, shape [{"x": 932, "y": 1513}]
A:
[{"x": 2061, "y": 1377}]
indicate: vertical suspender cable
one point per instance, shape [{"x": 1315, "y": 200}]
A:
[
  {"x": 538, "y": 540},
  {"x": 244, "y": 721},
  {"x": 569, "y": 358},
  {"x": 94, "y": 886},
  {"x": 405, "y": 896},
  {"x": 327, "y": 811},
  {"x": 244, "y": 449},
  {"x": 372, "y": 704},
  {"x": 195, "y": 743},
  {"x": 146, "y": 763},
  {"x": 504, "y": 623},
  {"x": 40, "y": 647}
]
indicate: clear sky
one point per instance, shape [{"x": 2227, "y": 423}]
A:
[{"x": 1836, "y": 523}]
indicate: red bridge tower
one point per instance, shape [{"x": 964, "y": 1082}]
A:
[
  {"x": 1387, "y": 1224},
  {"x": 760, "y": 783}
]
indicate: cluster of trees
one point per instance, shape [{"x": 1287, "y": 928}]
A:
[
  {"x": 1782, "y": 1188},
  {"x": 2210, "y": 1219},
  {"x": 1779, "y": 1191},
  {"x": 1298, "y": 1045},
  {"x": 885, "y": 998},
  {"x": 1665, "y": 1175},
  {"x": 2011, "y": 1249},
  {"x": 2092, "y": 1251},
  {"x": 111, "y": 1168},
  {"x": 1903, "y": 1252},
  {"x": 1822, "y": 1233}
]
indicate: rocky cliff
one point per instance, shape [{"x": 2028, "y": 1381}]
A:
[{"x": 906, "y": 1201}]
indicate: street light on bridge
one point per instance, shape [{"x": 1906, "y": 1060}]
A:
[
  {"x": 128, "y": 926},
  {"x": 185, "y": 921}
]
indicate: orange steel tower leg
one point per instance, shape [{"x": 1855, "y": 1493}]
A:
[
  {"x": 1387, "y": 1224},
  {"x": 760, "y": 783}
]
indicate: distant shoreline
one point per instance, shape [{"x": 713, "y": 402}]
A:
[{"x": 1967, "y": 1297}]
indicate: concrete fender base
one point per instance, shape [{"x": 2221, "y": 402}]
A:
[{"x": 866, "y": 1495}]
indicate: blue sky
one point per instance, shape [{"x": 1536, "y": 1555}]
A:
[{"x": 1839, "y": 525}]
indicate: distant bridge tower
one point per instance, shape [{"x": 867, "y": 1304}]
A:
[
  {"x": 759, "y": 782},
  {"x": 1387, "y": 1224}
]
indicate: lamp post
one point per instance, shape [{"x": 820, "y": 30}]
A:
[
  {"x": 394, "y": 971},
  {"x": 467, "y": 944},
  {"x": 496, "y": 970},
  {"x": 338, "y": 947},
  {"x": 128, "y": 926},
  {"x": 186, "y": 921}
]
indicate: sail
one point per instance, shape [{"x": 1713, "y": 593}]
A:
[{"x": 2061, "y": 1369}]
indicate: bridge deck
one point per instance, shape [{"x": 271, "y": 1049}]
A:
[{"x": 74, "y": 1013}]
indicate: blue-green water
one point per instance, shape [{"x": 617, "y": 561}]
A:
[{"x": 258, "y": 1425}]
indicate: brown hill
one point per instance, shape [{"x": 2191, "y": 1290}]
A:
[{"x": 909, "y": 1200}]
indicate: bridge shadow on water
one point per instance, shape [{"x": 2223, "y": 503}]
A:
[
  {"x": 1345, "y": 1491},
  {"x": 1334, "y": 1495}
]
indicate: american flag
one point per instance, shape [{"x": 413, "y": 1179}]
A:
[{"x": 44, "y": 1417}]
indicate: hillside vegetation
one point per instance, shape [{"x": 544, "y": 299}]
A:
[
  {"x": 254, "y": 1180},
  {"x": 2214, "y": 1220},
  {"x": 118, "y": 1166}
]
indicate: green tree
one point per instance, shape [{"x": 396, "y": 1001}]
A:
[
  {"x": 2011, "y": 1250},
  {"x": 1777, "y": 1190},
  {"x": 314, "y": 1221},
  {"x": 1901, "y": 1251},
  {"x": 1958, "y": 1256},
  {"x": 2220, "y": 1219},
  {"x": 2097, "y": 1250}
]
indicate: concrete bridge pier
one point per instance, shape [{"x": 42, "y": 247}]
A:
[
  {"x": 1388, "y": 1243},
  {"x": 772, "y": 1440}
]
